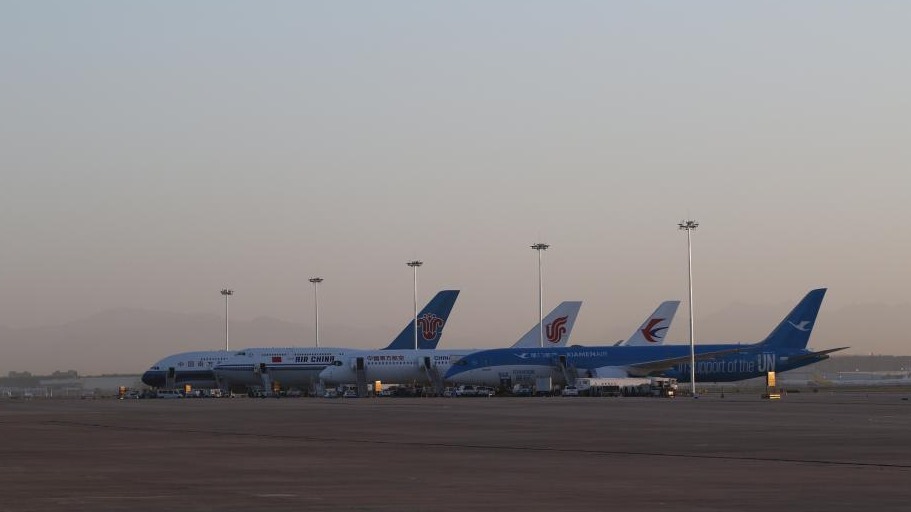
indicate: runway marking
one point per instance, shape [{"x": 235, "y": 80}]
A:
[
  {"x": 126, "y": 497},
  {"x": 485, "y": 447}
]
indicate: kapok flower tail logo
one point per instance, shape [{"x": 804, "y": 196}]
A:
[
  {"x": 429, "y": 324},
  {"x": 556, "y": 329}
]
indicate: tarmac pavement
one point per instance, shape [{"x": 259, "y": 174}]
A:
[{"x": 809, "y": 451}]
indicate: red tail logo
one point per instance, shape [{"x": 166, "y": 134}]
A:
[
  {"x": 556, "y": 329},
  {"x": 651, "y": 331},
  {"x": 429, "y": 324}
]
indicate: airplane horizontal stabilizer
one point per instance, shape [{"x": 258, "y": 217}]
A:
[{"x": 813, "y": 355}]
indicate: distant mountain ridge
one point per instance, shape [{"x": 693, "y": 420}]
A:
[{"x": 124, "y": 340}]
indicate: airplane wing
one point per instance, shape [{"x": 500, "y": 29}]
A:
[
  {"x": 816, "y": 354},
  {"x": 648, "y": 367}
]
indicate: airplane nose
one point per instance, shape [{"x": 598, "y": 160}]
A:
[{"x": 153, "y": 379}]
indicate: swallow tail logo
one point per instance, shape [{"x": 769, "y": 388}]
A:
[
  {"x": 556, "y": 329},
  {"x": 802, "y": 326},
  {"x": 430, "y": 325},
  {"x": 653, "y": 333}
]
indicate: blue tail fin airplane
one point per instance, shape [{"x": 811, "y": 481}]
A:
[
  {"x": 431, "y": 321},
  {"x": 784, "y": 349}
]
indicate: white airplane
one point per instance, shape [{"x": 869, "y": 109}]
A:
[
  {"x": 198, "y": 368},
  {"x": 428, "y": 366},
  {"x": 299, "y": 367}
]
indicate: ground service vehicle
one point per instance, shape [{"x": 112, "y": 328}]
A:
[
  {"x": 544, "y": 386},
  {"x": 522, "y": 390},
  {"x": 570, "y": 391},
  {"x": 484, "y": 391},
  {"x": 466, "y": 390}
]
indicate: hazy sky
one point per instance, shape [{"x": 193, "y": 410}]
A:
[{"x": 152, "y": 153}]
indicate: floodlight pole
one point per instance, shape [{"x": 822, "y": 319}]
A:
[
  {"x": 690, "y": 226},
  {"x": 414, "y": 266},
  {"x": 540, "y": 247},
  {"x": 227, "y": 293},
  {"x": 316, "y": 281}
]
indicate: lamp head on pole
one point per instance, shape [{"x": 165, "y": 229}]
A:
[
  {"x": 316, "y": 280},
  {"x": 688, "y": 225},
  {"x": 540, "y": 247},
  {"x": 415, "y": 263},
  {"x": 227, "y": 292}
]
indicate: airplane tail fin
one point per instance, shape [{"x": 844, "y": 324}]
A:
[
  {"x": 794, "y": 331},
  {"x": 431, "y": 321},
  {"x": 655, "y": 327},
  {"x": 558, "y": 325}
]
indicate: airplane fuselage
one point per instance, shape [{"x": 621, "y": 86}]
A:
[
  {"x": 290, "y": 367},
  {"x": 187, "y": 368},
  {"x": 394, "y": 366},
  {"x": 499, "y": 366}
]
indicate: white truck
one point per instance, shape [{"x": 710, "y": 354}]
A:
[
  {"x": 466, "y": 390},
  {"x": 544, "y": 386},
  {"x": 628, "y": 386},
  {"x": 469, "y": 390}
]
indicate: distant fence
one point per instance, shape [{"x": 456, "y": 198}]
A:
[
  {"x": 26, "y": 393},
  {"x": 30, "y": 393}
]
